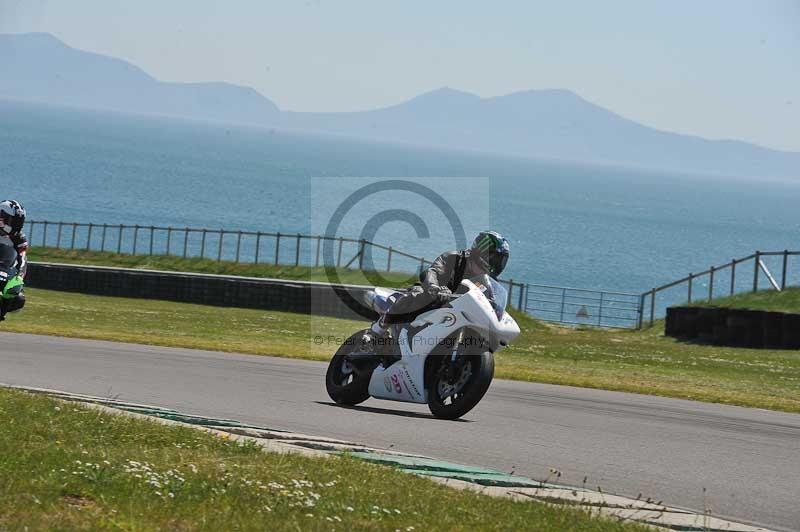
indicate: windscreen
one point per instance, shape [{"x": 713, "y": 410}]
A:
[
  {"x": 494, "y": 292},
  {"x": 8, "y": 257}
]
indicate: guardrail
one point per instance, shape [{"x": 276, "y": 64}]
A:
[
  {"x": 305, "y": 297},
  {"x": 737, "y": 276}
]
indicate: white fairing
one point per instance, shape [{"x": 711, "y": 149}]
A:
[{"x": 405, "y": 379}]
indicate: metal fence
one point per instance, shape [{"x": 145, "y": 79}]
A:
[
  {"x": 578, "y": 306},
  {"x": 219, "y": 244},
  {"x": 255, "y": 247},
  {"x": 746, "y": 274},
  {"x": 574, "y": 306}
]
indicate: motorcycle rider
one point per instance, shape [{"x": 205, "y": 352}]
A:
[
  {"x": 488, "y": 254},
  {"x": 12, "y": 218}
]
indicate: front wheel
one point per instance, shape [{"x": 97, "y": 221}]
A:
[
  {"x": 451, "y": 394},
  {"x": 347, "y": 384}
]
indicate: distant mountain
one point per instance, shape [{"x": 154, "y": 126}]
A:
[
  {"x": 39, "y": 67},
  {"x": 554, "y": 124},
  {"x": 549, "y": 124}
]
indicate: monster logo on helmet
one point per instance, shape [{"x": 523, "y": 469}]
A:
[{"x": 490, "y": 249}]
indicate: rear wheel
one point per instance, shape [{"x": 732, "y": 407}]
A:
[
  {"x": 452, "y": 392},
  {"x": 347, "y": 382}
]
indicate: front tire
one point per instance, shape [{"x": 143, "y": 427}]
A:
[
  {"x": 347, "y": 384},
  {"x": 451, "y": 400}
]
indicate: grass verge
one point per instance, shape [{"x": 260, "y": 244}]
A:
[
  {"x": 633, "y": 361},
  {"x": 786, "y": 301},
  {"x": 64, "y": 466}
]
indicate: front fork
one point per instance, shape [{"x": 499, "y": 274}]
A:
[{"x": 451, "y": 373}]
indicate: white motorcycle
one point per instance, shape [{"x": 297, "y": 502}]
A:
[{"x": 444, "y": 358}]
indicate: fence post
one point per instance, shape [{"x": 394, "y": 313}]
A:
[
  {"x": 389, "y": 261},
  {"x": 135, "y": 237},
  {"x": 756, "y": 265},
  {"x": 297, "y": 251},
  {"x": 361, "y": 255},
  {"x": 733, "y": 276},
  {"x": 652, "y": 307},
  {"x": 641, "y": 311},
  {"x": 421, "y": 264},
  {"x": 600, "y": 310},
  {"x": 563, "y": 300},
  {"x": 58, "y": 235},
  {"x": 72, "y": 241},
  {"x": 785, "y": 263},
  {"x": 521, "y": 294},
  {"x": 103, "y": 238},
  {"x": 258, "y": 244},
  {"x": 316, "y": 261},
  {"x": 152, "y": 230},
  {"x": 203, "y": 244},
  {"x": 238, "y": 245},
  {"x": 711, "y": 284},
  {"x": 30, "y": 230},
  {"x": 89, "y": 237},
  {"x": 219, "y": 247},
  {"x": 119, "y": 239},
  {"x": 169, "y": 239},
  {"x": 339, "y": 257},
  {"x": 277, "y": 247},
  {"x": 510, "y": 289},
  {"x": 44, "y": 235},
  {"x": 691, "y": 277},
  {"x": 185, "y": 242}
]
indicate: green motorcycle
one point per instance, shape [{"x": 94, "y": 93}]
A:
[{"x": 12, "y": 297}]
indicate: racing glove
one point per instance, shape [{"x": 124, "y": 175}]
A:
[{"x": 443, "y": 296}]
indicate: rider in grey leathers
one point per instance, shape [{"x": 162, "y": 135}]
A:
[{"x": 488, "y": 254}]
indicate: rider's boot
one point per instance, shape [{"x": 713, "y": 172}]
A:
[{"x": 372, "y": 340}]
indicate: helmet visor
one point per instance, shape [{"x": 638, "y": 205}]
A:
[
  {"x": 10, "y": 224},
  {"x": 497, "y": 263}
]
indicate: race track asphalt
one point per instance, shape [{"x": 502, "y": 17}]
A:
[{"x": 742, "y": 463}]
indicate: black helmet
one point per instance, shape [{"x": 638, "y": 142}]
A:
[
  {"x": 12, "y": 217},
  {"x": 490, "y": 251}
]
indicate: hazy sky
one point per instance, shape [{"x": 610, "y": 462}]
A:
[{"x": 715, "y": 68}]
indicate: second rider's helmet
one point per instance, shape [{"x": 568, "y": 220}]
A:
[
  {"x": 490, "y": 250},
  {"x": 12, "y": 217}
]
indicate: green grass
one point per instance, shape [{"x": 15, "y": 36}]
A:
[
  {"x": 634, "y": 361},
  {"x": 66, "y": 467},
  {"x": 178, "y": 264},
  {"x": 785, "y": 301}
]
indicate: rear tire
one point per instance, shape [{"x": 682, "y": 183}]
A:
[
  {"x": 347, "y": 383},
  {"x": 480, "y": 368}
]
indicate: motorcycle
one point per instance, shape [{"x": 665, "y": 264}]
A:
[
  {"x": 12, "y": 297},
  {"x": 444, "y": 358}
]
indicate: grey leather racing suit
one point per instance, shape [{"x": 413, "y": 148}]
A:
[{"x": 447, "y": 271}]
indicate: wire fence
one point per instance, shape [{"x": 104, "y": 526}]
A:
[
  {"x": 578, "y": 306},
  {"x": 747, "y": 274},
  {"x": 254, "y": 247},
  {"x": 573, "y": 306}
]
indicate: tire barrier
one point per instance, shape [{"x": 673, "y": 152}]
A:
[
  {"x": 303, "y": 297},
  {"x": 734, "y": 327}
]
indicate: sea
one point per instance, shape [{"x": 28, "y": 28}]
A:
[{"x": 587, "y": 226}]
